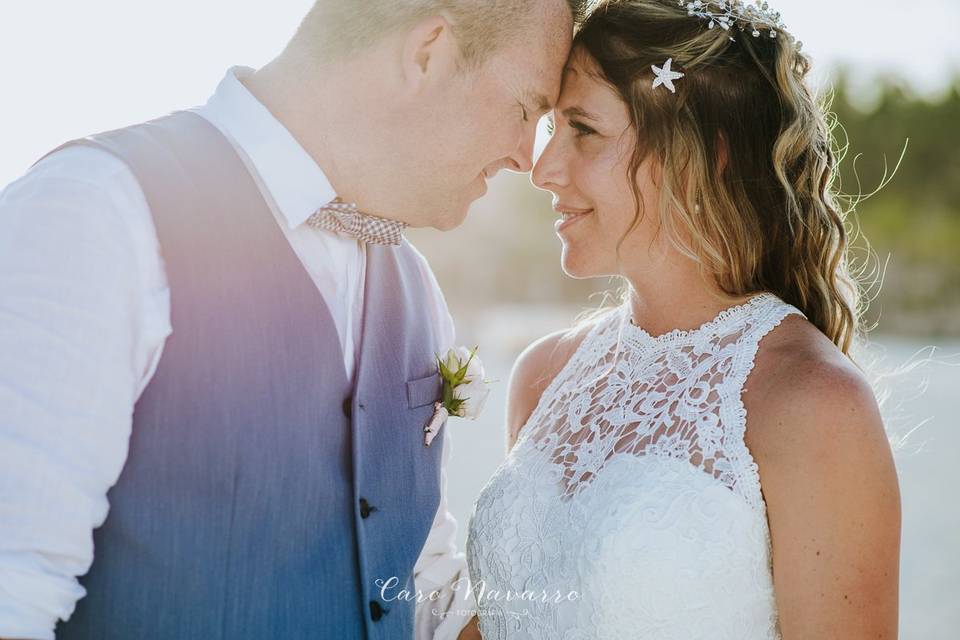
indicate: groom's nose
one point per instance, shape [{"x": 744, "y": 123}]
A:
[{"x": 521, "y": 161}]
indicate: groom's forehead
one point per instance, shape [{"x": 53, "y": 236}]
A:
[
  {"x": 535, "y": 82},
  {"x": 549, "y": 72},
  {"x": 534, "y": 64},
  {"x": 543, "y": 79}
]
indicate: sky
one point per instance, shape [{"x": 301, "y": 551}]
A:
[{"x": 71, "y": 68}]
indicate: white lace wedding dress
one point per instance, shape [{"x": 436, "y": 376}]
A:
[{"x": 631, "y": 485}]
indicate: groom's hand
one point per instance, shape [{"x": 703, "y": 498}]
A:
[{"x": 471, "y": 631}]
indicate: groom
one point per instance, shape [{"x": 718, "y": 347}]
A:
[{"x": 221, "y": 369}]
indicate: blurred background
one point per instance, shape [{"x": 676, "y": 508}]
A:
[{"x": 891, "y": 68}]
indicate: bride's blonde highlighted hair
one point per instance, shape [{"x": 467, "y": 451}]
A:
[{"x": 744, "y": 154}]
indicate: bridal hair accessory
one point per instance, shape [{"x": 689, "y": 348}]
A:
[
  {"x": 665, "y": 75},
  {"x": 727, "y": 14},
  {"x": 464, "y": 390},
  {"x": 346, "y": 218},
  {"x": 745, "y": 16}
]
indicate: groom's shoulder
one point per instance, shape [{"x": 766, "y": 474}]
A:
[
  {"x": 81, "y": 164},
  {"x": 75, "y": 186}
]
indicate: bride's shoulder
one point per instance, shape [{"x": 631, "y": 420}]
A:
[
  {"x": 827, "y": 473},
  {"x": 535, "y": 369},
  {"x": 796, "y": 365},
  {"x": 805, "y": 395}
]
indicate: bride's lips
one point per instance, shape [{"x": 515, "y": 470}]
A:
[{"x": 569, "y": 216}]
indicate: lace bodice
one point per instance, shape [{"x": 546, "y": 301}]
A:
[{"x": 631, "y": 496}]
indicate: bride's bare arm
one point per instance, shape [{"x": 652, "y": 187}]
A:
[
  {"x": 832, "y": 497},
  {"x": 533, "y": 372}
]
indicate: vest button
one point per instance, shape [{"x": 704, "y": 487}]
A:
[
  {"x": 348, "y": 407},
  {"x": 366, "y": 508},
  {"x": 376, "y": 611}
]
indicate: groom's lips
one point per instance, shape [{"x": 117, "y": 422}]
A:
[{"x": 482, "y": 178}]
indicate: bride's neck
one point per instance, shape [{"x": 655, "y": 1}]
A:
[{"x": 665, "y": 299}]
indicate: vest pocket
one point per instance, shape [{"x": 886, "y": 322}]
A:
[{"x": 424, "y": 391}]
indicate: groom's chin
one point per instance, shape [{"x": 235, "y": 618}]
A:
[{"x": 451, "y": 221}]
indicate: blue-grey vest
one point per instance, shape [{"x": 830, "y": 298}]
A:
[{"x": 264, "y": 493}]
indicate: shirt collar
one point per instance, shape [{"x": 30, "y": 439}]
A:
[{"x": 296, "y": 183}]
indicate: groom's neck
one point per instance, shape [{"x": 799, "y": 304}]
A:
[{"x": 331, "y": 110}]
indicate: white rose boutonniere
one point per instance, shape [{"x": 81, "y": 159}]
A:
[{"x": 465, "y": 390}]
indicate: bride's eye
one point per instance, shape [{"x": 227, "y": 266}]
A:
[
  {"x": 581, "y": 129},
  {"x": 524, "y": 114}
]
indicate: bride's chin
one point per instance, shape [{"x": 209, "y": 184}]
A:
[{"x": 572, "y": 267}]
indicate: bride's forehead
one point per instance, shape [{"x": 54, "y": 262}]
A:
[
  {"x": 581, "y": 73},
  {"x": 584, "y": 87},
  {"x": 575, "y": 85}
]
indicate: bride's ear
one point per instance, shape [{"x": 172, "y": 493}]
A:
[
  {"x": 430, "y": 52},
  {"x": 723, "y": 153}
]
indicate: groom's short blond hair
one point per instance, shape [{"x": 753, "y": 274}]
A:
[{"x": 339, "y": 27}]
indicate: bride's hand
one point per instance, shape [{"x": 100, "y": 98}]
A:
[{"x": 471, "y": 631}]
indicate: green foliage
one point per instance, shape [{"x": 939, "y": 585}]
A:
[
  {"x": 913, "y": 223},
  {"x": 453, "y": 372}
]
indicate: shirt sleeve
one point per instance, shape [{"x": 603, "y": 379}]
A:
[
  {"x": 83, "y": 315},
  {"x": 441, "y": 568}
]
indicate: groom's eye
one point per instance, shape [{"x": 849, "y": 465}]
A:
[{"x": 524, "y": 114}]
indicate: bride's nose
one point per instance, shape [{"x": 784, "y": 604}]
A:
[{"x": 550, "y": 172}]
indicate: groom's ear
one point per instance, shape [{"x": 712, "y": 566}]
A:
[{"x": 430, "y": 52}]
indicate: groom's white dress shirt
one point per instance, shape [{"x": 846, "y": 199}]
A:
[{"x": 84, "y": 314}]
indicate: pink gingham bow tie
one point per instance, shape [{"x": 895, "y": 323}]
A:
[{"x": 345, "y": 218}]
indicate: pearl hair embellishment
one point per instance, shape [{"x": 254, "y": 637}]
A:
[
  {"x": 753, "y": 18},
  {"x": 749, "y": 17}
]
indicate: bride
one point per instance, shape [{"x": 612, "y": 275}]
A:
[{"x": 704, "y": 460}]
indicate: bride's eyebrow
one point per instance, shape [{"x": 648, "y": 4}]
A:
[{"x": 577, "y": 112}]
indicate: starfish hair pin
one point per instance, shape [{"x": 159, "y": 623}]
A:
[{"x": 665, "y": 75}]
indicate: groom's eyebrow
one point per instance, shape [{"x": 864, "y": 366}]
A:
[
  {"x": 540, "y": 101},
  {"x": 543, "y": 102}
]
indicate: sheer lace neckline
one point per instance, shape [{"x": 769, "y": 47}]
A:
[{"x": 723, "y": 319}]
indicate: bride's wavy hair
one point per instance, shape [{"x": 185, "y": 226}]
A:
[{"x": 744, "y": 154}]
